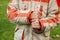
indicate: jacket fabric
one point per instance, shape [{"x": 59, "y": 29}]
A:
[{"x": 19, "y": 12}]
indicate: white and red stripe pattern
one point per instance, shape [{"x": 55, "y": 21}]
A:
[
  {"x": 22, "y": 16},
  {"x": 19, "y": 12},
  {"x": 49, "y": 22}
]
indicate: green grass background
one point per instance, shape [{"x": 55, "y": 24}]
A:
[{"x": 7, "y": 28}]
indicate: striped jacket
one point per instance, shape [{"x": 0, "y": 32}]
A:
[
  {"x": 24, "y": 8},
  {"x": 19, "y": 12}
]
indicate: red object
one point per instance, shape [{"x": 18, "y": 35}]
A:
[
  {"x": 58, "y": 2},
  {"x": 23, "y": 35}
]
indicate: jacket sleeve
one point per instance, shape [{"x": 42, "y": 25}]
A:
[
  {"x": 53, "y": 16},
  {"x": 14, "y": 13}
]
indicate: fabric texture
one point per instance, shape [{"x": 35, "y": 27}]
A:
[{"x": 21, "y": 12}]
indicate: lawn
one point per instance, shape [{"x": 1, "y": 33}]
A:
[{"x": 7, "y": 28}]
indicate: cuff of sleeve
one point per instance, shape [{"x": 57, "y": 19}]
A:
[{"x": 45, "y": 25}]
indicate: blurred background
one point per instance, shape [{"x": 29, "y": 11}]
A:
[{"x": 7, "y": 28}]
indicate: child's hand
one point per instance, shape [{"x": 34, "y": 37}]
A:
[
  {"x": 35, "y": 20},
  {"x": 35, "y": 23}
]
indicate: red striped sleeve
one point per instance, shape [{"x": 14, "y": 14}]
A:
[
  {"x": 11, "y": 13},
  {"x": 51, "y": 20},
  {"x": 14, "y": 13}
]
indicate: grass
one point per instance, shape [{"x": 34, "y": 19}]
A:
[{"x": 7, "y": 29}]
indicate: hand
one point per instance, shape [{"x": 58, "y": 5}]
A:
[
  {"x": 35, "y": 20},
  {"x": 35, "y": 23}
]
